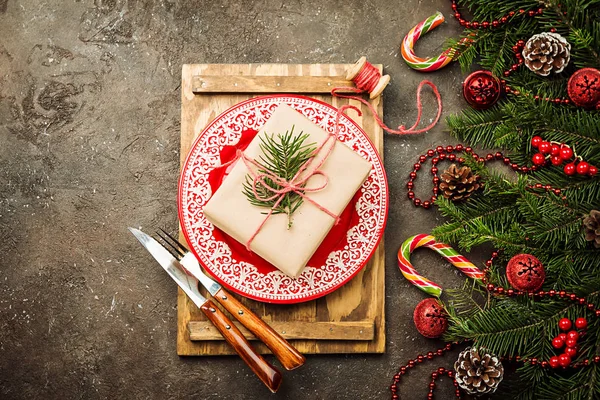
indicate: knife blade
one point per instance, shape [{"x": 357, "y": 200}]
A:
[
  {"x": 270, "y": 376},
  {"x": 287, "y": 354}
]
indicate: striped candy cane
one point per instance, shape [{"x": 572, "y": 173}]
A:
[
  {"x": 425, "y": 64},
  {"x": 444, "y": 250}
]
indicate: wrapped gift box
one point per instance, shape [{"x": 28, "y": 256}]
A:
[{"x": 288, "y": 249}]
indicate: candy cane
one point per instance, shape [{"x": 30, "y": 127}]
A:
[
  {"x": 425, "y": 64},
  {"x": 444, "y": 250}
]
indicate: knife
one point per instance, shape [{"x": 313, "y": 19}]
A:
[
  {"x": 270, "y": 376},
  {"x": 287, "y": 354}
]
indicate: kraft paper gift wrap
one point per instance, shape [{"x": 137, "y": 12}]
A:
[{"x": 288, "y": 249}]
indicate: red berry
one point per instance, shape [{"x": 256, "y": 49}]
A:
[
  {"x": 571, "y": 351},
  {"x": 573, "y": 335},
  {"x": 566, "y": 153},
  {"x": 571, "y": 342},
  {"x": 592, "y": 170},
  {"x": 554, "y": 362},
  {"x": 545, "y": 147},
  {"x": 569, "y": 169},
  {"x": 555, "y": 150},
  {"x": 556, "y": 160},
  {"x": 581, "y": 323},
  {"x": 563, "y": 336},
  {"x": 535, "y": 141},
  {"x": 582, "y": 168},
  {"x": 538, "y": 159},
  {"x": 558, "y": 342},
  {"x": 564, "y": 360},
  {"x": 564, "y": 324}
]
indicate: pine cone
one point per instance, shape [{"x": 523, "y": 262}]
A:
[
  {"x": 591, "y": 226},
  {"x": 547, "y": 52},
  {"x": 477, "y": 371},
  {"x": 458, "y": 183}
]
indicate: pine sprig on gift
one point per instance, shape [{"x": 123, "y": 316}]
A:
[
  {"x": 282, "y": 155},
  {"x": 509, "y": 215}
]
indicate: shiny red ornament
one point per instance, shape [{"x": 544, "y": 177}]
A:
[
  {"x": 566, "y": 153},
  {"x": 558, "y": 342},
  {"x": 593, "y": 170},
  {"x": 564, "y": 360},
  {"x": 555, "y": 149},
  {"x": 553, "y": 361},
  {"x": 583, "y": 168},
  {"x": 481, "y": 89},
  {"x": 564, "y": 324},
  {"x": 430, "y": 318},
  {"x": 581, "y": 323},
  {"x": 538, "y": 159},
  {"x": 525, "y": 272},
  {"x": 570, "y": 169},
  {"x": 584, "y": 88},
  {"x": 535, "y": 141}
]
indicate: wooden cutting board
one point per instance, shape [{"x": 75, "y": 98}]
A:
[{"x": 349, "y": 320}]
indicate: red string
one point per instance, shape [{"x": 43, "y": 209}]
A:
[
  {"x": 366, "y": 80},
  {"x": 298, "y": 183}
]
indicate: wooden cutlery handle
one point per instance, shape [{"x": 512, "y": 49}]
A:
[
  {"x": 287, "y": 354},
  {"x": 265, "y": 371}
]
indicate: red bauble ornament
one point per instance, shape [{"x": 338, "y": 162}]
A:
[
  {"x": 538, "y": 159},
  {"x": 592, "y": 171},
  {"x": 581, "y": 323},
  {"x": 583, "y": 168},
  {"x": 558, "y": 342},
  {"x": 525, "y": 272},
  {"x": 564, "y": 360},
  {"x": 535, "y": 141},
  {"x": 566, "y": 153},
  {"x": 430, "y": 318},
  {"x": 584, "y": 88},
  {"x": 570, "y": 169},
  {"x": 553, "y": 361},
  {"x": 555, "y": 149},
  {"x": 481, "y": 89},
  {"x": 564, "y": 324},
  {"x": 571, "y": 351}
]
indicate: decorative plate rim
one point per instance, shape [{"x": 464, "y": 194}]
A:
[{"x": 292, "y": 298}]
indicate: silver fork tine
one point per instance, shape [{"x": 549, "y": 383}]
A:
[
  {"x": 182, "y": 248},
  {"x": 174, "y": 250}
]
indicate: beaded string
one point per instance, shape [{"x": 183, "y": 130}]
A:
[{"x": 367, "y": 79}]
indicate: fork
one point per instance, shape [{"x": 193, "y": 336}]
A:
[{"x": 289, "y": 357}]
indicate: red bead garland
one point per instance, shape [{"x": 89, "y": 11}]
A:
[
  {"x": 442, "y": 153},
  {"x": 494, "y": 23}
]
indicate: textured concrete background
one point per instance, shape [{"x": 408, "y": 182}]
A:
[{"x": 89, "y": 139}]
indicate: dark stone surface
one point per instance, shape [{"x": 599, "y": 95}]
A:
[{"x": 89, "y": 133}]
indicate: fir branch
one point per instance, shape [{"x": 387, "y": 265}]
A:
[{"x": 282, "y": 155}]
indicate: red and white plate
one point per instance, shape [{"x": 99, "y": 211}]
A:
[{"x": 345, "y": 250}]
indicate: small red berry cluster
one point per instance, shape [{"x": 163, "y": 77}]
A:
[
  {"x": 494, "y": 23},
  {"x": 557, "y": 153},
  {"x": 438, "y": 373},
  {"x": 568, "y": 339}
]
